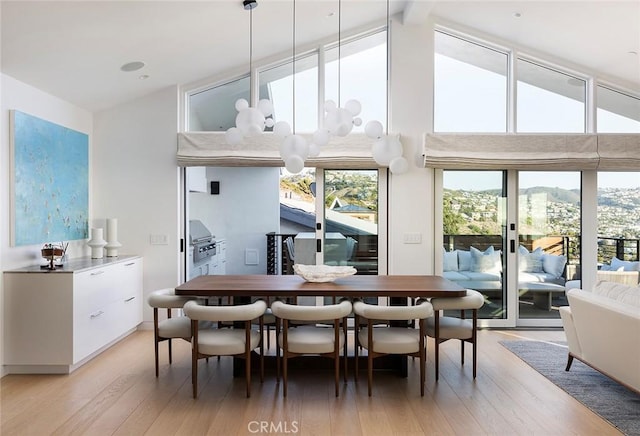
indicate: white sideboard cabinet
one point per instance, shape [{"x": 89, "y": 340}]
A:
[{"x": 54, "y": 321}]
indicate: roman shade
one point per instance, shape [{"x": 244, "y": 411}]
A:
[
  {"x": 212, "y": 149},
  {"x": 606, "y": 152},
  {"x": 619, "y": 152}
]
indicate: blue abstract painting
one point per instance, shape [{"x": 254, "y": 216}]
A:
[{"x": 51, "y": 181}]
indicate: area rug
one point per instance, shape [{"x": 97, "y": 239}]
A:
[{"x": 610, "y": 400}]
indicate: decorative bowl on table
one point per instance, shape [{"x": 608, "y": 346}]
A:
[{"x": 322, "y": 273}]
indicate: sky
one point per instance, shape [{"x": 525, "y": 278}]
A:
[{"x": 483, "y": 180}]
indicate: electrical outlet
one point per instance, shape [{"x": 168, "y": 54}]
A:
[{"x": 412, "y": 238}]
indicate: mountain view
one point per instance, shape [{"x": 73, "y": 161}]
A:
[{"x": 544, "y": 211}]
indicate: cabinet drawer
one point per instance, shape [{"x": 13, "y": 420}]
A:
[
  {"x": 93, "y": 330},
  {"x": 93, "y": 290},
  {"x": 128, "y": 281},
  {"x": 130, "y": 314}
]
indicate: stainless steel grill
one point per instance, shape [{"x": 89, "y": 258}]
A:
[{"x": 204, "y": 246}]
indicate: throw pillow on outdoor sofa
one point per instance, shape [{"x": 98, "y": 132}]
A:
[
  {"x": 450, "y": 260},
  {"x": 538, "y": 261},
  {"x": 487, "y": 261},
  {"x": 530, "y": 261},
  {"x": 554, "y": 264},
  {"x": 626, "y": 265}
]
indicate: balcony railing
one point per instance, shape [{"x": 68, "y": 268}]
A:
[
  {"x": 280, "y": 259},
  {"x": 622, "y": 248}
]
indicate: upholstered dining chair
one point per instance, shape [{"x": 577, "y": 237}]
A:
[
  {"x": 443, "y": 328},
  {"x": 380, "y": 340},
  {"x": 173, "y": 327},
  {"x": 232, "y": 341},
  {"x": 270, "y": 319},
  {"x": 297, "y": 338}
]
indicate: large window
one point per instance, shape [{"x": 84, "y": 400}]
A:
[
  {"x": 548, "y": 100},
  {"x": 358, "y": 70},
  {"x": 470, "y": 86},
  {"x": 277, "y": 84},
  {"x": 618, "y": 227},
  {"x": 213, "y": 109},
  {"x": 617, "y": 112},
  {"x": 362, "y": 76}
]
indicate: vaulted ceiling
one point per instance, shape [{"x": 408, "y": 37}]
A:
[{"x": 74, "y": 49}]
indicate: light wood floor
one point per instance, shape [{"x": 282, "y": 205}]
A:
[{"x": 117, "y": 393}]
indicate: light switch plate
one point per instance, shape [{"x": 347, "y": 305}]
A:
[
  {"x": 159, "y": 239},
  {"x": 412, "y": 238}
]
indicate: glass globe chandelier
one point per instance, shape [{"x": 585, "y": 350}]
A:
[
  {"x": 250, "y": 121},
  {"x": 387, "y": 149},
  {"x": 295, "y": 149}
]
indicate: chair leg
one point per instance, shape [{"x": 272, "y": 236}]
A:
[
  {"x": 474, "y": 338},
  {"x": 423, "y": 359},
  {"x": 155, "y": 336},
  {"x": 462, "y": 352},
  {"x": 285, "y": 356},
  {"x": 569, "y": 362},
  {"x": 278, "y": 361},
  {"x": 170, "y": 341},
  {"x": 475, "y": 348},
  {"x": 261, "y": 351},
  {"x": 437, "y": 343},
  {"x": 194, "y": 359},
  {"x": 356, "y": 354},
  {"x": 369, "y": 370},
  {"x": 336, "y": 369},
  {"x": 268, "y": 338},
  {"x": 369, "y": 354},
  {"x": 247, "y": 372},
  {"x": 423, "y": 355},
  {"x": 344, "y": 352}
]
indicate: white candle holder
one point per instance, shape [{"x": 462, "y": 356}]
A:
[{"x": 97, "y": 244}]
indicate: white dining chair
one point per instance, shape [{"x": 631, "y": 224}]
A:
[
  {"x": 232, "y": 341},
  {"x": 443, "y": 328},
  {"x": 383, "y": 339},
  {"x": 173, "y": 327},
  {"x": 301, "y": 334}
]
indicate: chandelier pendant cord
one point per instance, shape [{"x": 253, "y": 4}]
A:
[
  {"x": 293, "y": 68},
  {"x": 386, "y": 126},
  {"x": 339, "y": 49},
  {"x": 251, "y": 97}
]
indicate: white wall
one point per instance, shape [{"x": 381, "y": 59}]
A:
[
  {"x": 20, "y": 96},
  {"x": 247, "y": 208},
  {"x": 136, "y": 180},
  {"x": 411, "y": 195}
]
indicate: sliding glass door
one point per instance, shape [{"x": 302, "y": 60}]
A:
[
  {"x": 332, "y": 217},
  {"x": 516, "y": 238},
  {"x": 549, "y": 231},
  {"x": 474, "y": 235}
]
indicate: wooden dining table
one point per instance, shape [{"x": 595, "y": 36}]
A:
[
  {"x": 393, "y": 286},
  {"x": 397, "y": 287}
]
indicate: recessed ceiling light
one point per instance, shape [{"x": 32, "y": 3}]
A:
[
  {"x": 517, "y": 14},
  {"x": 132, "y": 66},
  {"x": 143, "y": 77}
]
